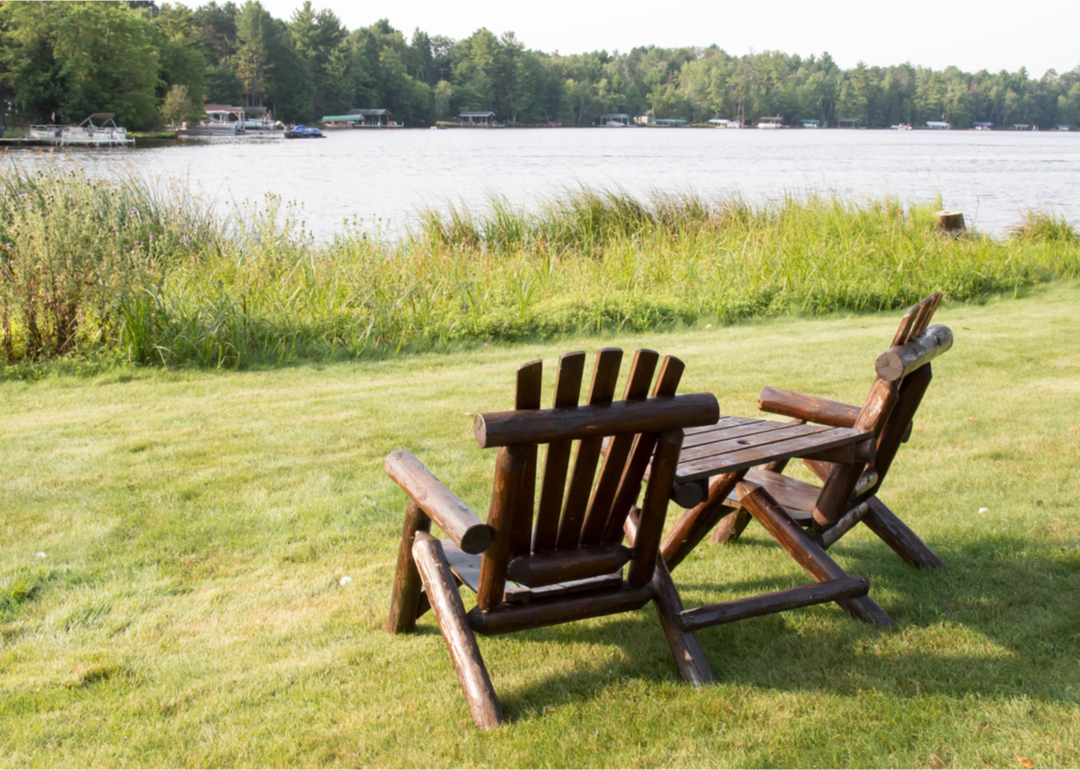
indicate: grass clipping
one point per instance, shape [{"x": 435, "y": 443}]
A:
[{"x": 146, "y": 273}]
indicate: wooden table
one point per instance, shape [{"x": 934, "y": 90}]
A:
[{"x": 737, "y": 444}]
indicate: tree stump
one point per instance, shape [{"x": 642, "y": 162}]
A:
[{"x": 951, "y": 222}]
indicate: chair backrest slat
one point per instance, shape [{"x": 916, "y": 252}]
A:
[
  {"x": 552, "y": 486},
  {"x": 559, "y": 553},
  {"x": 611, "y": 471},
  {"x": 529, "y": 382},
  {"x": 906, "y": 324},
  {"x": 667, "y": 383},
  {"x": 579, "y": 487}
]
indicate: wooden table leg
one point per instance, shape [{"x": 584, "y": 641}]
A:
[{"x": 696, "y": 523}]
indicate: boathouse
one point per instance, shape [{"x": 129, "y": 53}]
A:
[
  {"x": 670, "y": 122},
  {"x": 482, "y": 119},
  {"x": 810, "y": 123},
  {"x": 375, "y": 118},
  {"x": 848, "y": 122},
  {"x": 614, "y": 119},
  {"x": 939, "y": 125},
  {"x": 224, "y": 113}
]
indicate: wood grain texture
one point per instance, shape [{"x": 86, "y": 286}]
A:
[
  {"x": 886, "y": 525},
  {"x": 454, "y": 517},
  {"x": 731, "y": 527},
  {"x": 689, "y": 655},
  {"x": 667, "y": 383},
  {"x": 810, "y": 408},
  {"x": 508, "y": 618},
  {"x": 527, "y": 396},
  {"x": 454, "y": 624},
  {"x": 845, "y": 524},
  {"x": 777, "y": 601},
  {"x": 561, "y": 566},
  {"x": 696, "y": 523},
  {"x": 806, "y": 553},
  {"x": 495, "y": 429},
  {"x": 654, "y": 508},
  {"x": 618, "y": 451},
  {"x": 553, "y": 485},
  {"x": 505, "y": 491},
  {"x": 898, "y": 362},
  {"x": 833, "y": 501},
  {"x": 580, "y": 485},
  {"x": 912, "y": 390},
  {"x": 405, "y": 594}
]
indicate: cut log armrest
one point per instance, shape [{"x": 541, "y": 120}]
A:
[
  {"x": 809, "y": 408},
  {"x": 460, "y": 524}
]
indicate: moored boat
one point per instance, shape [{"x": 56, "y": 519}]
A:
[{"x": 304, "y": 132}]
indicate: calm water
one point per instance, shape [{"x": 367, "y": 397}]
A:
[{"x": 384, "y": 177}]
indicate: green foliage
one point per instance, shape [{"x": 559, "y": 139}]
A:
[
  {"x": 109, "y": 57},
  {"x": 1045, "y": 226},
  {"x": 124, "y": 269},
  {"x": 312, "y": 66}
]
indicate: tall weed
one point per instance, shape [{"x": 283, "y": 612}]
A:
[{"x": 144, "y": 271}]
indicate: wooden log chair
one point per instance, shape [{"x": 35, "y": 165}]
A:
[
  {"x": 559, "y": 559},
  {"x": 807, "y": 519}
]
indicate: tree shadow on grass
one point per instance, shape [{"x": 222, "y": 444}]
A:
[{"x": 998, "y": 620}]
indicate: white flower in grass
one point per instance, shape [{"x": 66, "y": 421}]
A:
[
  {"x": 345, "y": 580},
  {"x": 41, "y": 554},
  {"x": 984, "y": 510}
]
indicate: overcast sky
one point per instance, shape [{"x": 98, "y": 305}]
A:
[{"x": 971, "y": 35}]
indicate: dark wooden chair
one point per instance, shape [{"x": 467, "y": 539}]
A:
[
  {"x": 807, "y": 519},
  {"x": 562, "y": 558}
]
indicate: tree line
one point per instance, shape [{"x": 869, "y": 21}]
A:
[{"x": 153, "y": 64}]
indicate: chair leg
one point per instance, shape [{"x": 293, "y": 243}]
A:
[
  {"x": 689, "y": 656},
  {"x": 687, "y": 651},
  {"x": 808, "y": 554},
  {"x": 405, "y": 597},
  {"x": 885, "y": 524},
  {"x": 730, "y": 527},
  {"x": 454, "y": 623}
]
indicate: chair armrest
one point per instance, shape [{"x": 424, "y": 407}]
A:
[
  {"x": 454, "y": 517},
  {"x": 809, "y": 408}
]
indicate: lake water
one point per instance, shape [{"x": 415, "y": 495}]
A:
[{"x": 385, "y": 176}]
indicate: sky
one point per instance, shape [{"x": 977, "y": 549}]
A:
[{"x": 971, "y": 35}]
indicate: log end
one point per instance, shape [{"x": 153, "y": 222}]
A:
[
  {"x": 477, "y": 538},
  {"x": 889, "y": 366},
  {"x": 480, "y": 431}
]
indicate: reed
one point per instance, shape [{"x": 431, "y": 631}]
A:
[{"x": 145, "y": 272}]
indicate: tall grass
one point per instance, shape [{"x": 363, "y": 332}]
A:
[{"x": 144, "y": 272}]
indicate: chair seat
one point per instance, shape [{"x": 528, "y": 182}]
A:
[
  {"x": 797, "y": 497},
  {"x": 466, "y": 567}
]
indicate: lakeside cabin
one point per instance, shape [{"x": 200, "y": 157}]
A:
[
  {"x": 371, "y": 118},
  {"x": 479, "y": 119},
  {"x": 614, "y": 119}
]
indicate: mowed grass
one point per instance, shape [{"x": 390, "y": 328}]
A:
[{"x": 173, "y": 544}]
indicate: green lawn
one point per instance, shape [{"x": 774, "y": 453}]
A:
[{"x": 173, "y": 544}]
